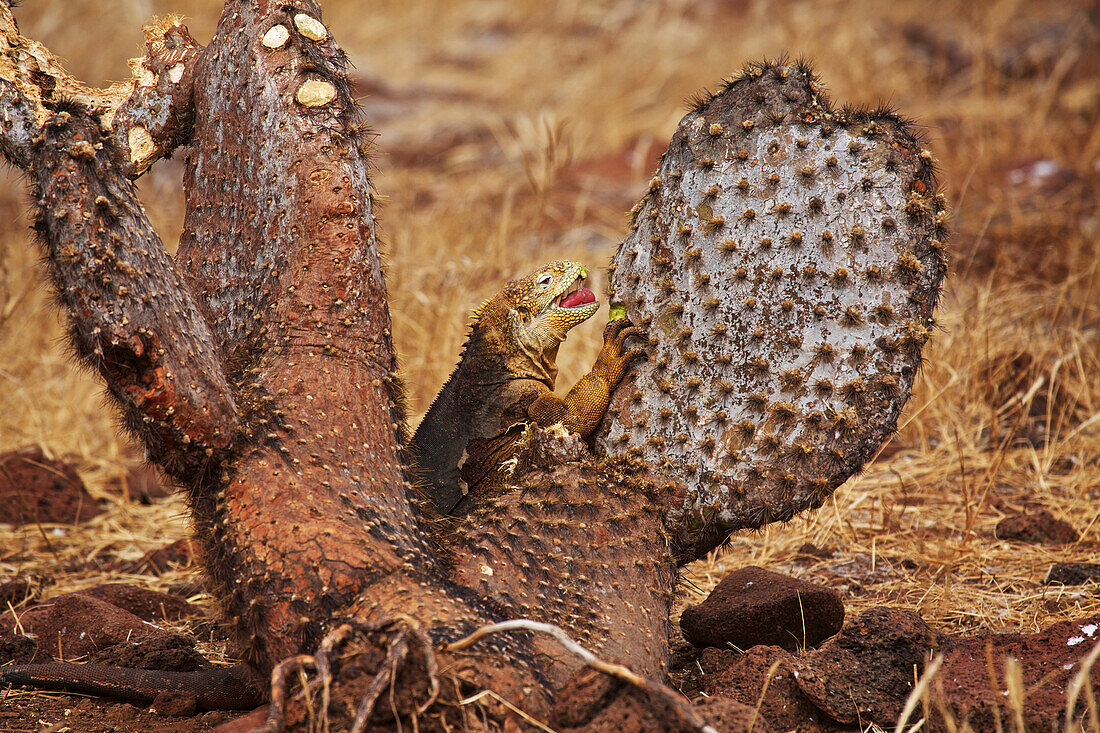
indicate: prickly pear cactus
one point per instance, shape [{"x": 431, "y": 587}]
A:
[{"x": 785, "y": 264}]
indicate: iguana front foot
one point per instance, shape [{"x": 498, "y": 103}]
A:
[{"x": 587, "y": 402}]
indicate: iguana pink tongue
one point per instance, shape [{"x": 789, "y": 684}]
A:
[{"x": 578, "y": 297}]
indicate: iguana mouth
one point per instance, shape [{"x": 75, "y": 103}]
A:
[{"x": 576, "y": 296}]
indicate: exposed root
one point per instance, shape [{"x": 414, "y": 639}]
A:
[
  {"x": 395, "y": 655},
  {"x": 656, "y": 689},
  {"x": 400, "y": 629},
  {"x": 276, "y": 715}
]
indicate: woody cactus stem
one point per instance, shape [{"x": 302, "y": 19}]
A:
[
  {"x": 786, "y": 262},
  {"x": 146, "y": 116},
  {"x": 257, "y": 367},
  {"x": 795, "y": 255},
  {"x": 132, "y": 319}
]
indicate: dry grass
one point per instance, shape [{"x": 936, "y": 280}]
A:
[{"x": 513, "y": 132}]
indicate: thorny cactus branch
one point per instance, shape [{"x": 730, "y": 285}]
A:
[
  {"x": 147, "y": 116},
  {"x": 263, "y": 377},
  {"x": 132, "y": 318},
  {"x": 785, "y": 262}
]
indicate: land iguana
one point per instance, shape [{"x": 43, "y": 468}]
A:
[{"x": 463, "y": 449}]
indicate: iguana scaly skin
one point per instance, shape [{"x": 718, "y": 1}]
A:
[{"x": 505, "y": 380}]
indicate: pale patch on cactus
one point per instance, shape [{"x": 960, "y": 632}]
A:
[
  {"x": 785, "y": 263},
  {"x": 315, "y": 93},
  {"x": 310, "y": 27},
  {"x": 276, "y": 37},
  {"x": 142, "y": 147}
]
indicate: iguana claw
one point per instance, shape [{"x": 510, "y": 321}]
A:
[{"x": 612, "y": 362}]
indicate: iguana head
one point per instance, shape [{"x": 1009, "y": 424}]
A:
[{"x": 533, "y": 315}]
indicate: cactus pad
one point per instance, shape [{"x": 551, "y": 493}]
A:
[{"x": 785, "y": 263}]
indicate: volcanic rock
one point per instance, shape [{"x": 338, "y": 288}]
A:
[
  {"x": 866, "y": 672},
  {"x": 594, "y": 702},
  {"x": 74, "y": 625},
  {"x": 146, "y": 604},
  {"x": 1039, "y": 528},
  {"x": 725, "y": 714},
  {"x": 754, "y": 606},
  {"x": 143, "y": 483},
  {"x": 34, "y": 488},
  {"x": 180, "y": 553},
  {"x": 174, "y": 704},
  {"x": 1072, "y": 573},
  {"x": 17, "y": 592},
  {"x": 168, "y": 651},
  {"x": 18, "y": 649},
  {"x": 763, "y": 677},
  {"x": 1047, "y": 661}
]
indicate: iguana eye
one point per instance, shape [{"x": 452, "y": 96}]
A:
[{"x": 544, "y": 280}]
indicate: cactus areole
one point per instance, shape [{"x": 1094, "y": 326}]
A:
[{"x": 785, "y": 261}]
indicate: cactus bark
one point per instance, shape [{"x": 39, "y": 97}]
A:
[{"x": 257, "y": 366}]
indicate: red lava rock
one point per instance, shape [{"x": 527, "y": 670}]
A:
[
  {"x": 1072, "y": 573},
  {"x": 810, "y": 551},
  {"x": 725, "y": 714},
  {"x": 246, "y": 723},
  {"x": 34, "y": 488},
  {"x": 181, "y": 553},
  {"x": 764, "y": 676},
  {"x": 1048, "y": 662},
  {"x": 174, "y": 704},
  {"x": 172, "y": 652},
  {"x": 865, "y": 673},
  {"x": 121, "y": 713},
  {"x": 143, "y": 483},
  {"x": 1006, "y": 377},
  {"x": 146, "y": 604},
  {"x": 17, "y": 592},
  {"x": 594, "y": 702},
  {"x": 1041, "y": 527},
  {"x": 18, "y": 649},
  {"x": 754, "y": 606},
  {"x": 73, "y": 625}
]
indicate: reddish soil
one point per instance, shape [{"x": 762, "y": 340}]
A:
[
  {"x": 143, "y": 483},
  {"x": 75, "y": 625},
  {"x": 179, "y": 554},
  {"x": 864, "y": 673},
  {"x": 1039, "y": 528},
  {"x": 1073, "y": 573},
  {"x": 33, "y": 713},
  {"x": 148, "y": 605}
]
